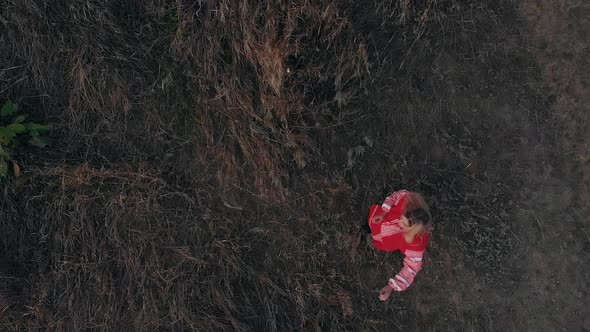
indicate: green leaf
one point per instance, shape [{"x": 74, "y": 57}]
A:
[
  {"x": 40, "y": 141},
  {"x": 3, "y": 153},
  {"x": 6, "y": 135},
  {"x": 20, "y": 118},
  {"x": 42, "y": 129},
  {"x": 8, "y": 109},
  {"x": 3, "y": 167},
  {"x": 17, "y": 128}
]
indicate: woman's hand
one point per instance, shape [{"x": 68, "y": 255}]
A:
[{"x": 385, "y": 293}]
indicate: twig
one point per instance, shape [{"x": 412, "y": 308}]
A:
[
  {"x": 367, "y": 189},
  {"x": 15, "y": 83},
  {"x": 541, "y": 228}
]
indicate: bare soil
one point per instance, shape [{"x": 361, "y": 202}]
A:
[{"x": 214, "y": 161}]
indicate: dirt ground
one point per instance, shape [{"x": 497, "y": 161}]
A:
[
  {"x": 213, "y": 162},
  {"x": 555, "y": 282}
]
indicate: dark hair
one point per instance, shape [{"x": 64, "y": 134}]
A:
[{"x": 419, "y": 216}]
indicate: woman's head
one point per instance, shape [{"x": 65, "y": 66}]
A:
[
  {"x": 419, "y": 216},
  {"x": 417, "y": 219}
]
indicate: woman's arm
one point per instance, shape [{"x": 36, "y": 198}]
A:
[
  {"x": 393, "y": 199},
  {"x": 405, "y": 277}
]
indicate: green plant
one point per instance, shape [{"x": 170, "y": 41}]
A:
[{"x": 13, "y": 130}]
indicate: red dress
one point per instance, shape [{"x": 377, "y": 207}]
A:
[{"x": 388, "y": 235}]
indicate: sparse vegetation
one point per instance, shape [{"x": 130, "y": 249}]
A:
[{"x": 213, "y": 161}]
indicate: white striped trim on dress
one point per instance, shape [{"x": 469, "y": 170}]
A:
[
  {"x": 390, "y": 228},
  {"x": 402, "y": 279},
  {"x": 394, "y": 285},
  {"x": 386, "y": 206},
  {"x": 398, "y": 195},
  {"x": 416, "y": 259}
]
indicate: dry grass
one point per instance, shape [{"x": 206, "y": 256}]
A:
[
  {"x": 213, "y": 160},
  {"x": 240, "y": 86}
]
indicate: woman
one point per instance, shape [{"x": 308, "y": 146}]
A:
[{"x": 403, "y": 223}]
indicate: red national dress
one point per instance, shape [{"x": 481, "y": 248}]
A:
[{"x": 388, "y": 235}]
